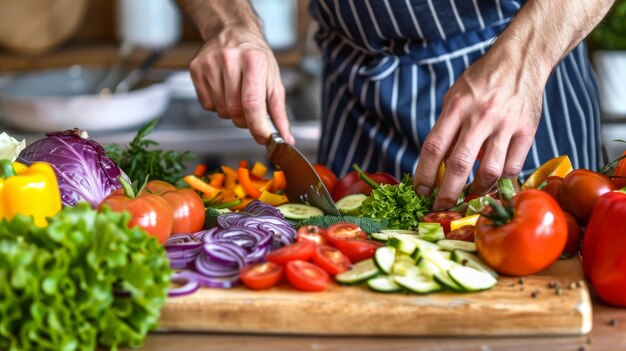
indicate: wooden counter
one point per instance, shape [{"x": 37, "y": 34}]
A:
[{"x": 604, "y": 336}]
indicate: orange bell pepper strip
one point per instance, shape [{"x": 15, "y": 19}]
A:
[
  {"x": 200, "y": 170},
  {"x": 280, "y": 182},
  {"x": 258, "y": 170},
  {"x": 243, "y": 174},
  {"x": 201, "y": 185},
  {"x": 267, "y": 186},
  {"x": 244, "y": 202},
  {"x": 217, "y": 179},
  {"x": 230, "y": 177},
  {"x": 273, "y": 199}
]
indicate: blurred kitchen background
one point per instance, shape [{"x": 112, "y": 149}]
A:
[{"x": 61, "y": 59}]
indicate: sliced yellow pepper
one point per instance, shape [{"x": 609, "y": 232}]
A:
[
  {"x": 31, "y": 191},
  {"x": 273, "y": 199},
  {"x": 469, "y": 220}
]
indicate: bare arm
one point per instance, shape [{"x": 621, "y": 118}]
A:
[
  {"x": 235, "y": 73},
  {"x": 496, "y": 103}
]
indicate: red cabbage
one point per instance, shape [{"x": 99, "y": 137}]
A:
[{"x": 83, "y": 170}]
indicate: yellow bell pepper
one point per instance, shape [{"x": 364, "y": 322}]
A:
[
  {"x": 31, "y": 191},
  {"x": 469, "y": 220}
]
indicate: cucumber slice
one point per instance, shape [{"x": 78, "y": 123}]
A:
[
  {"x": 351, "y": 204},
  {"x": 430, "y": 231},
  {"x": 418, "y": 284},
  {"x": 359, "y": 273},
  {"x": 400, "y": 231},
  {"x": 404, "y": 265},
  {"x": 470, "y": 260},
  {"x": 384, "y": 258},
  {"x": 382, "y": 237},
  {"x": 427, "y": 268},
  {"x": 384, "y": 283},
  {"x": 441, "y": 262},
  {"x": 404, "y": 245},
  {"x": 472, "y": 279},
  {"x": 451, "y": 245},
  {"x": 447, "y": 282},
  {"x": 299, "y": 211}
]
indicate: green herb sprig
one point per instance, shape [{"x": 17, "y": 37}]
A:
[{"x": 141, "y": 159}]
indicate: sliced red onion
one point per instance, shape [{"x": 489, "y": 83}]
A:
[
  {"x": 225, "y": 282},
  {"x": 258, "y": 255},
  {"x": 281, "y": 233},
  {"x": 243, "y": 236},
  {"x": 256, "y": 220},
  {"x": 190, "y": 285},
  {"x": 210, "y": 268},
  {"x": 226, "y": 220},
  {"x": 182, "y": 263},
  {"x": 260, "y": 208},
  {"x": 226, "y": 253}
]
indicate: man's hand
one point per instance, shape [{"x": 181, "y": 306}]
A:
[
  {"x": 235, "y": 73},
  {"x": 496, "y": 103}
]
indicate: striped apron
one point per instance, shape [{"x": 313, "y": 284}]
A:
[{"x": 388, "y": 64}]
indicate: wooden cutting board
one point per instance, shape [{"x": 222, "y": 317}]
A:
[{"x": 507, "y": 309}]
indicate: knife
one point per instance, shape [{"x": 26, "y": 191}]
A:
[{"x": 303, "y": 183}]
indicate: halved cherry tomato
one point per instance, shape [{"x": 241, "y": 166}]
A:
[
  {"x": 298, "y": 251},
  {"x": 443, "y": 217},
  {"x": 573, "y": 235},
  {"x": 262, "y": 275},
  {"x": 357, "y": 250},
  {"x": 327, "y": 176},
  {"x": 330, "y": 259},
  {"x": 306, "y": 276},
  {"x": 464, "y": 233},
  {"x": 312, "y": 233},
  {"x": 344, "y": 231}
]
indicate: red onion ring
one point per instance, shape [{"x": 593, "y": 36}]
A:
[{"x": 190, "y": 285}]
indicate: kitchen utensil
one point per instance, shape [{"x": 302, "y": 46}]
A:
[
  {"x": 126, "y": 84},
  {"x": 303, "y": 184},
  {"x": 114, "y": 75},
  {"x": 150, "y": 24},
  {"x": 38, "y": 26},
  {"x": 63, "y": 98}
]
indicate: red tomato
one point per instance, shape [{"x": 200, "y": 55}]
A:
[
  {"x": 150, "y": 212},
  {"x": 553, "y": 187},
  {"x": 573, "y": 236},
  {"x": 443, "y": 217},
  {"x": 351, "y": 183},
  {"x": 620, "y": 172},
  {"x": 344, "y": 231},
  {"x": 581, "y": 190},
  {"x": 299, "y": 251},
  {"x": 306, "y": 276},
  {"x": 471, "y": 197},
  {"x": 357, "y": 250},
  {"x": 263, "y": 275},
  {"x": 530, "y": 242},
  {"x": 187, "y": 207},
  {"x": 330, "y": 259},
  {"x": 312, "y": 233},
  {"x": 327, "y": 176},
  {"x": 465, "y": 233}
]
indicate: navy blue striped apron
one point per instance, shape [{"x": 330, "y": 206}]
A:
[{"x": 388, "y": 64}]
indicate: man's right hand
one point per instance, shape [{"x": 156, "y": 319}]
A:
[{"x": 235, "y": 73}]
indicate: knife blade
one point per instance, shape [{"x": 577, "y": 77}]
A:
[{"x": 303, "y": 183}]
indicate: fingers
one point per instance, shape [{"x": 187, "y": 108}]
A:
[
  {"x": 278, "y": 112},
  {"x": 491, "y": 164},
  {"x": 254, "y": 96},
  {"x": 517, "y": 152}
]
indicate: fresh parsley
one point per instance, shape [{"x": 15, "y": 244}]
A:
[{"x": 141, "y": 159}]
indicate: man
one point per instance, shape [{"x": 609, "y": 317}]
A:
[{"x": 451, "y": 79}]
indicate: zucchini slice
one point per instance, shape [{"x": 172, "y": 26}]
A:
[
  {"x": 472, "y": 279},
  {"x": 359, "y": 273}
]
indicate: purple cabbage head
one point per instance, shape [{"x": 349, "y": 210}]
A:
[{"x": 83, "y": 170}]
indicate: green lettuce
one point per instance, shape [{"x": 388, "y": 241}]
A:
[
  {"x": 85, "y": 280},
  {"x": 398, "y": 204}
]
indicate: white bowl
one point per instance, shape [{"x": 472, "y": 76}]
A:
[{"x": 62, "y": 99}]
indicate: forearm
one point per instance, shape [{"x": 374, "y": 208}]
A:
[
  {"x": 213, "y": 17},
  {"x": 545, "y": 31}
]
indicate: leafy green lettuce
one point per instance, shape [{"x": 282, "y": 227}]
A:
[
  {"x": 398, "y": 204},
  {"x": 86, "y": 279}
]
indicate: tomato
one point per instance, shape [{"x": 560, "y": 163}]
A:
[
  {"x": 187, "y": 207},
  {"x": 553, "y": 187},
  {"x": 443, "y": 217},
  {"x": 351, "y": 183},
  {"x": 312, "y": 233},
  {"x": 530, "y": 241},
  {"x": 306, "y": 276},
  {"x": 263, "y": 275},
  {"x": 344, "y": 231},
  {"x": 573, "y": 236},
  {"x": 620, "y": 172},
  {"x": 465, "y": 233},
  {"x": 357, "y": 250},
  {"x": 327, "y": 176},
  {"x": 471, "y": 197},
  {"x": 330, "y": 259},
  {"x": 149, "y": 212},
  {"x": 299, "y": 251},
  {"x": 581, "y": 190}
]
